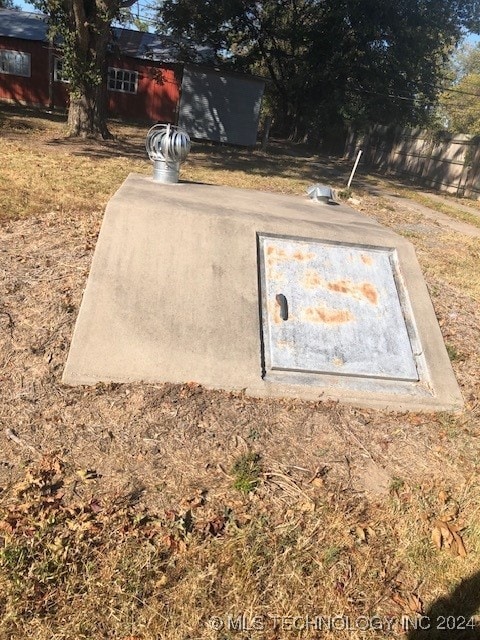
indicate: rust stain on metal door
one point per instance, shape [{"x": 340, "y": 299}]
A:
[{"x": 344, "y": 311}]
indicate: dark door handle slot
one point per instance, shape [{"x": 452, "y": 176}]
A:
[{"x": 282, "y": 301}]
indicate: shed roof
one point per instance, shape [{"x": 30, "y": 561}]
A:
[
  {"x": 25, "y": 25},
  {"x": 136, "y": 44},
  {"x": 151, "y": 46}
]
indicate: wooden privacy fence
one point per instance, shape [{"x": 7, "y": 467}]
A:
[{"x": 449, "y": 162}]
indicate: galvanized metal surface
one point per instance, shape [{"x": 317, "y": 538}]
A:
[
  {"x": 334, "y": 308},
  {"x": 321, "y": 193},
  {"x": 167, "y": 146}
]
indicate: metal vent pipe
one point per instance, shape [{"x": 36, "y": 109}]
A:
[{"x": 167, "y": 147}]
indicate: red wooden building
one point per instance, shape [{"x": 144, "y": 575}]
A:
[{"x": 146, "y": 81}]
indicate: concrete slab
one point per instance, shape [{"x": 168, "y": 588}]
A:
[{"x": 174, "y": 295}]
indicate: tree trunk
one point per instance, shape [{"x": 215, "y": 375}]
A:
[{"x": 87, "y": 113}]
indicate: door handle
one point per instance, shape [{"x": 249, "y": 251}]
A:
[{"x": 282, "y": 301}]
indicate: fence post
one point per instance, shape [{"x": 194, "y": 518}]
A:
[
  {"x": 427, "y": 159},
  {"x": 266, "y": 132},
  {"x": 390, "y": 168},
  {"x": 367, "y": 147},
  {"x": 473, "y": 177},
  {"x": 349, "y": 142}
]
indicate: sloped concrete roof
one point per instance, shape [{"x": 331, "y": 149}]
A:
[{"x": 173, "y": 295}]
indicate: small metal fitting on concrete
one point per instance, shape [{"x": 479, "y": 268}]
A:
[
  {"x": 321, "y": 193},
  {"x": 167, "y": 147}
]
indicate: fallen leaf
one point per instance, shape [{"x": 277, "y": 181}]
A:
[
  {"x": 415, "y": 604},
  {"x": 445, "y": 535},
  {"x": 411, "y": 603},
  {"x": 361, "y": 534},
  {"x": 162, "y": 581},
  {"x": 452, "y": 511},
  {"x": 437, "y": 537},
  {"x": 462, "y": 552},
  {"x": 6, "y": 526},
  {"x": 447, "y": 517},
  {"x": 443, "y": 497},
  {"x": 215, "y": 526},
  {"x": 397, "y": 598},
  {"x": 307, "y": 507}
]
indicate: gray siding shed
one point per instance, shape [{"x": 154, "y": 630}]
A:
[{"x": 219, "y": 106}]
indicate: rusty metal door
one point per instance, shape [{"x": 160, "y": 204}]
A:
[{"x": 333, "y": 308}]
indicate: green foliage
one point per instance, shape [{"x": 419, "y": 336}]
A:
[
  {"x": 461, "y": 105},
  {"x": 129, "y": 19},
  {"x": 81, "y": 30},
  {"x": 396, "y": 485},
  {"x": 466, "y": 61},
  {"x": 331, "y": 555},
  {"x": 453, "y": 353},
  {"x": 81, "y": 44},
  {"x": 345, "y": 194},
  {"x": 246, "y": 471},
  {"x": 332, "y": 62}
]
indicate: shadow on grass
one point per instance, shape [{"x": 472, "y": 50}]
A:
[
  {"x": 11, "y": 111},
  {"x": 452, "y": 617},
  {"x": 283, "y": 159},
  {"x": 101, "y": 149}
]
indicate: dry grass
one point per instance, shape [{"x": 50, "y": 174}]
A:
[
  {"x": 88, "y": 568},
  {"x": 119, "y": 513},
  {"x": 452, "y": 257},
  {"x": 42, "y": 172},
  {"x": 457, "y": 212},
  {"x": 462, "y": 209}
]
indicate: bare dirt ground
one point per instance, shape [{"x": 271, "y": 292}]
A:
[{"x": 165, "y": 444}]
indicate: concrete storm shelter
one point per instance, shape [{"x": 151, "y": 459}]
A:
[{"x": 272, "y": 294}]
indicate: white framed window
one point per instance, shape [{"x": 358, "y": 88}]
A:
[
  {"x": 16, "y": 63},
  {"x": 122, "y": 80},
  {"x": 58, "y": 73}
]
